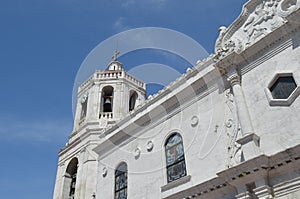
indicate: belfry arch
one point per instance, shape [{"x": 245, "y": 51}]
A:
[
  {"x": 132, "y": 100},
  {"x": 69, "y": 187},
  {"x": 107, "y": 99}
]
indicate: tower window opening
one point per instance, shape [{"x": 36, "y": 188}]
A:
[
  {"x": 107, "y": 99},
  {"x": 132, "y": 100}
]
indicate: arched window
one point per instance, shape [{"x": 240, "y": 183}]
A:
[
  {"x": 70, "y": 179},
  {"x": 132, "y": 100},
  {"x": 175, "y": 158},
  {"x": 121, "y": 181},
  {"x": 107, "y": 99}
]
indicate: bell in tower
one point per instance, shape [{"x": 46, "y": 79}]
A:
[
  {"x": 107, "y": 105},
  {"x": 107, "y": 99}
]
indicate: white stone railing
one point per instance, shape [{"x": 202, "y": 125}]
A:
[
  {"x": 118, "y": 74},
  {"x": 107, "y": 115},
  {"x": 134, "y": 80},
  {"x": 86, "y": 83},
  {"x": 108, "y": 74},
  {"x": 111, "y": 75}
]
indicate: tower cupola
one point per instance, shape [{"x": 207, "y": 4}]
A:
[
  {"x": 115, "y": 65},
  {"x": 108, "y": 96}
]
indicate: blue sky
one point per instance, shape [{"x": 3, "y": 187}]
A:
[{"x": 42, "y": 45}]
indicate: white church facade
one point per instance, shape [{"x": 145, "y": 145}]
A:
[{"x": 227, "y": 128}]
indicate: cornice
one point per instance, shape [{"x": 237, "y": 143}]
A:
[
  {"x": 267, "y": 47},
  {"x": 257, "y": 20},
  {"x": 85, "y": 133},
  {"x": 83, "y": 127}
]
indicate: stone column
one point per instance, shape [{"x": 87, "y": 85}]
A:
[
  {"x": 263, "y": 192},
  {"x": 249, "y": 140},
  {"x": 245, "y": 195}
]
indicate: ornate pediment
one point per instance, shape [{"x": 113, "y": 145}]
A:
[{"x": 258, "y": 19}]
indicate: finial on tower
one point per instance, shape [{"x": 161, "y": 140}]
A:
[
  {"x": 115, "y": 57},
  {"x": 115, "y": 64}
]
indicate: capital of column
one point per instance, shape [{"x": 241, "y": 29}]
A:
[
  {"x": 234, "y": 79},
  {"x": 264, "y": 192},
  {"x": 245, "y": 195}
]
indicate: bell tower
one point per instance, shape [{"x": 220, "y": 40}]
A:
[{"x": 104, "y": 99}]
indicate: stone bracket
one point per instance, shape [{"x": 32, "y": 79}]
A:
[{"x": 248, "y": 138}]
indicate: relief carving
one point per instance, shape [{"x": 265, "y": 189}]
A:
[
  {"x": 288, "y": 5},
  {"x": 224, "y": 48},
  {"x": 233, "y": 131},
  {"x": 262, "y": 21},
  {"x": 150, "y": 146},
  {"x": 258, "y": 19}
]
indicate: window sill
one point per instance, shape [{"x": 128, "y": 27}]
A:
[
  {"x": 282, "y": 102},
  {"x": 176, "y": 183}
]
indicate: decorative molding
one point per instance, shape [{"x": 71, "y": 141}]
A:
[
  {"x": 137, "y": 153},
  {"x": 287, "y": 187},
  {"x": 257, "y": 59},
  {"x": 234, "y": 79},
  {"x": 264, "y": 192},
  {"x": 104, "y": 172},
  {"x": 257, "y": 19},
  {"x": 234, "y": 152},
  {"x": 229, "y": 123},
  {"x": 194, "y": 121},
  {"x": 248, "y": 138},
  {"x": 245, "y": 195},
  {"x": 176, "y": 183},
  {"x": 150, "y": 146}
]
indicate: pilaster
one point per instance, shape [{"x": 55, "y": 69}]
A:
[
  {"x": 249, "y": 140},
  {"x": 92, "y": 104}
]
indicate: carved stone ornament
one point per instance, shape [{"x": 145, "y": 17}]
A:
[
  {"x": 232, "y": 131},
  {"x": 194, "y": 121},
  {"x": 84, "y": 98},
  {"x": 104, "y": 172},
  {"x": 258, "y": 19},
  {"x": 229, "y": 123},
  {"x": 137, "y": 152},
  {"x": 287, "y": 7},
  {"x": 150, "y": 146}
]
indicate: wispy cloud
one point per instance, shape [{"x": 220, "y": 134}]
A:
[
  {"x": 149, "y": 3},
  {"x": 120, "y": 25},
  {"x": 34, "y": 131},
  {"x": 128, "y": 3}
]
